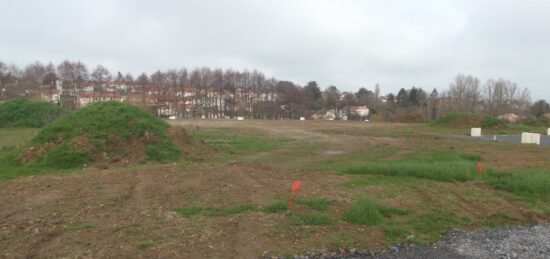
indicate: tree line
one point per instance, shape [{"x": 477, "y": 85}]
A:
[{"x": 228, "y": 93}]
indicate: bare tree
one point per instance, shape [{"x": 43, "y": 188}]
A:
[
  {"x": 502, "y": 96},
  {"x": 465, "y": 93},
  {"x": 50, "y": 76},
  {"x": 101, "y": 75},
  {"x": 143, "y": 81},
  {"x": 34, "y": 73}
]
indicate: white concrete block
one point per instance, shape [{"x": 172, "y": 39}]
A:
[
  {"x": 548, "y": 133},
  {"x": 240, "y": 118},
  {"x": 476, "y": 132},
  {"x": 302, "y": 118},
  {"x": 525, "y": 138},
  {"x": 530, "y": 138},
  {"x": 535, "y": 138}
]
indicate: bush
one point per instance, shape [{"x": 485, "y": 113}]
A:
[
  {"x": 493, "y": 123},
  {"x": 19, "y": 113},
  {"x": 64, "y": 157}
]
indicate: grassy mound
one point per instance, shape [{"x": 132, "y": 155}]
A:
[
  {"x": 106, "y": 132},
  {"x": 468, "y": 120},
  {"x": 23, "y": 113}
]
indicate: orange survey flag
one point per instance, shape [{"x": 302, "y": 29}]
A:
[
  {"x": 480, "y": 168},
  {"x": 295, "y": 186}
]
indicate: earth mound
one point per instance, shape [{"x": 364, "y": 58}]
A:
[
  {"x": 469, "y": 120},
  {"x": 102, "y": 133},
  {"x": 23, "y": 113}
]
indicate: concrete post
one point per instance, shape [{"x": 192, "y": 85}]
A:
[{"x": 475, "y": 132}]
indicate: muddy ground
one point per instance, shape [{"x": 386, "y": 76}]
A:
[{"x": 129, "y": 211}]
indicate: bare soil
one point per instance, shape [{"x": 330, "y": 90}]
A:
[{"x": 128, "y": 211}]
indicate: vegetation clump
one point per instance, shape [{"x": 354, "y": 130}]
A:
[
  {"x": 439, "y": 165},
  {"x": 530, "y": 183},
  {"x": 23, "y": 113},
  {"x": 364, "y": 211},
  {"x": 469, "y": 120},
  {"x": 107, "y": 132}
]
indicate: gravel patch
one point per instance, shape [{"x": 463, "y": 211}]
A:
[{"x": 508, "y": 242}]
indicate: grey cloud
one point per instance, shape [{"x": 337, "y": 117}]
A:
[{"x": 395, "y": 43}]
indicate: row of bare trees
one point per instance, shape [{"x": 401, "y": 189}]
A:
[
  {"x": 228, "y": 93},
  {"x": 494, "y": 97}
]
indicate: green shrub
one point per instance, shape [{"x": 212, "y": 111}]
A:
[
  {"x": 21, "y": 113},
  {"x": 64, "y": 157},
  {"x": 493, "y": 123}
]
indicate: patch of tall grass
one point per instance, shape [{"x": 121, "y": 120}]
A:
[
  {"x": 531, "y": 183},
  {"x": 365, "y": 211},
  {"x": 441, "y": 165}
]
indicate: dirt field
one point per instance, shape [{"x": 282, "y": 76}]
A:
[{"x": 133, "y": 211}]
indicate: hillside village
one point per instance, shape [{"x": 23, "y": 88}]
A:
[
  {"x": 170, "y": 102},
  {"x": 216, "y": 93}
]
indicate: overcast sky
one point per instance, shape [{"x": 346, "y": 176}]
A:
[{"x": 349, "y": 44}]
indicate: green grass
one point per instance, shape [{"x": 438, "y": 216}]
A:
[
  {"x": 499, "y": 219},
  {"x": 15, "y": 137},
  {"x": 237, "y": 143},
  {"x": 24, "y": 113},
  {"x": 219, "y": 212},
  {"x": 423, "y": 228},
  {"x": 65, "y": 157},
  {"x": 11, "y": 167},
  {"x": 145, "y": 244},
  {"x": 432, "y": 225},
  {"x": 337, "y": 162},
  {"x": 188, "y": 212},
  {"x": 377, "y": 180},
  {"x": 530, "y": 183},
  {"x": 364, "y": 211},
  {"x": 79, "y": 225},
  {"x": 394, "y": 233},
  {"x": 276, "y": 207},
  {"x": 315, "y": 219},
  {"x": 319, "y": 204},
  {"x": 440, "y": 165}
]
